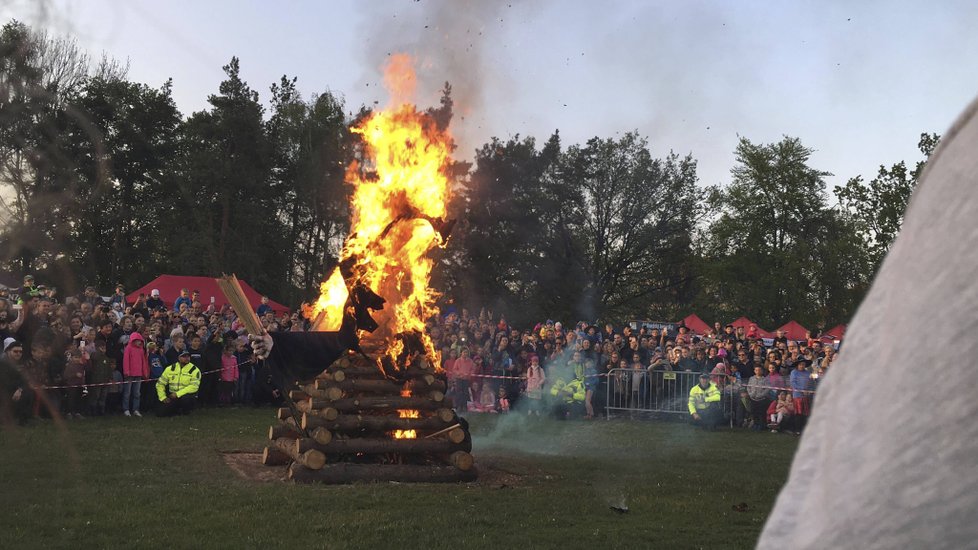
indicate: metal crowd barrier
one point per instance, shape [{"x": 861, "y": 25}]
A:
[{"x": 641, "y": 391}]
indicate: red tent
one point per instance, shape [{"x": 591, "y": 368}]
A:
[
  {"x": 170, "y": 285},
  {"x": 793, "y": 331},
  {"x": 837, "y": 332},
  {"x": 695, "y": 324},
  {"x": 746, "y": 323}
]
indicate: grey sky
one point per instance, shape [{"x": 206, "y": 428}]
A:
[{"x": 857, "y": 81}]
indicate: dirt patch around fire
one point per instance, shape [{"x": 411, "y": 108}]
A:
[
  {"x": 493, "y": 473},
  {"x": 248, "y": 466}
]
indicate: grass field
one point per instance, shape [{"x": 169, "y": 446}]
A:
[{"x": 147, "y": 483}]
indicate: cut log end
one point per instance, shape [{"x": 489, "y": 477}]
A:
[
  {"x": 333, "y": 393},
  {"x": 445, "y": 415},
  {"x": 456, "y": 435},
  {"x": 313, "y": 459},
  {"x": 323, "y": 436},
  {"x": 272, "y": 456},
  {"x": 462, "y": 460}
]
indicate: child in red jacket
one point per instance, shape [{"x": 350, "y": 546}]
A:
[{"x": 780, "y": 411}]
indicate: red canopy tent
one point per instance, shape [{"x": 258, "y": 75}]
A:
[
  {"x": 170, "y": 285},
  {"x": 837, "y": 332},
  {"x": 695, "y": 324},
  {"x": 746, "y": 323},
  {"x": 793, "y": 330}
]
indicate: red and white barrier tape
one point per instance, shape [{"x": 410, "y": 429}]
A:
[{"x": 131, "y": 381}]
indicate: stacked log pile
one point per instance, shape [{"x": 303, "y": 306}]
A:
[{"x": 356, "y": 422}]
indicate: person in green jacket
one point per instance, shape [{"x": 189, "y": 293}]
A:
[
  {"x": 704, "y": 403},
  {"x": 177, "y": 387}
]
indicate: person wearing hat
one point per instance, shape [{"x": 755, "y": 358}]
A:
[
  {"x": 704, "y": 403},
  {"x": 119, "y": 297},
  {"x": 28, "y": 289},
  {"x": 177, "y": 387},
  {"x": 154, "y": 302}
]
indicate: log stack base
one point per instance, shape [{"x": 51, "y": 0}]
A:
[{"x": 344, "y": 429}]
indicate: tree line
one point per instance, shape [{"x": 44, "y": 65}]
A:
[{"x": 103, "y": 180}]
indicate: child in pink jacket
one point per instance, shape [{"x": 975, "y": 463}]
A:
[{"x": 135, "y": 368}]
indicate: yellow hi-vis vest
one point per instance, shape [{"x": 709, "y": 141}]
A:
[
  {"x": 576, "y": 389},
  {"x": 699, "y": 398},
  {"x": 179, "y": 379}
]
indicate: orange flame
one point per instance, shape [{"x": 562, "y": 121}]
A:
[
  {"x": 332, "y": 298},
  {"x": 399, "y": 191},
  {"x": 407, "y": 413}
]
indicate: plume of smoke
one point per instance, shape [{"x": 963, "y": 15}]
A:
[{"x": 449, "y": 41}]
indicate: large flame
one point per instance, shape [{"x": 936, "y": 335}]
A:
[{"x": 399, "y": 190}]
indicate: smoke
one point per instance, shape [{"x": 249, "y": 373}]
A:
[
  {"x": 515, "y": 433},
  {"x": 518, "y": 432},
  {"x": 450, "y": 42}
]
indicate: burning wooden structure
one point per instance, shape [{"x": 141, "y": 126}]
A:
[
  {"x": 378, "y": 411},
  {"x": 357, "y": 422}
]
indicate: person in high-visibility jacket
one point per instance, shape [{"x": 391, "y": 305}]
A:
[
  {"x": 704, "y": 403},
  {"x": 177, "y": 386},
  {"x": 573, "y": 392}
]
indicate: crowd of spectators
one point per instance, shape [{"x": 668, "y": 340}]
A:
[
  {"x": 566, "y": 371},
  {"x": 92, "y": 355}
]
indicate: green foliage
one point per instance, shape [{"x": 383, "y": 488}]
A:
[
  {"x": 121, "y": 145},
  {"x": 624, "y": 221},
  {"x": 877, "y": 206},
  {"x": 597, "y": 231},
  {"x": 102, "y": 181},
  {"x": 311, "y": 148},
  {"x": 224, "y": 198},
  {"x": 774, "y": 250},
  {"x": 504, "y": 227}
]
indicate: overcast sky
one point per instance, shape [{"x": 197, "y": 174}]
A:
[{"x": 856, "y": 81}]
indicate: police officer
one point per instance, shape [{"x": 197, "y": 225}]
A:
[
  {"x": 704, "y": 403},
  {"x": 177, "y": 387}
]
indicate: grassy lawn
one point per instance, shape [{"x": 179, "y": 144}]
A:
[{"x": 142, "y": 483}]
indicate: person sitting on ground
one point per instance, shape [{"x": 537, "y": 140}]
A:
[
  {"x": 704, "y": 403},
  {"x": 502, "y": 404},
  {"x": 781, "y": 413},
  {"x": 481, "y": 398},
  {"x": 177, "y": 386}
]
